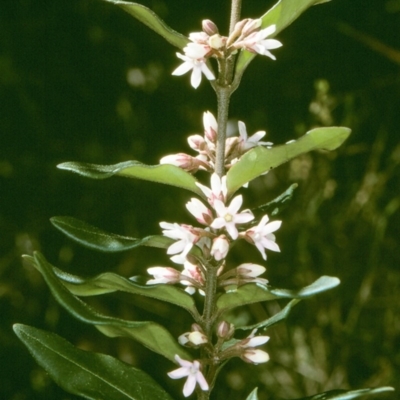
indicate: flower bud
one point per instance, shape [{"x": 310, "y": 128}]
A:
[
  {"x": 197, "y": 338},
  {"x": 250, "y": 26},
  {"x": 209, "y": 27},
  {"x": 249, "y": 270},
  {"x": 220, "y": 247},
  {"x": 196, "y": 328},
  {"x": 225, "y": 330},
  {"x": 216, "y": 41},
  {"x": 210, "y": 126},
  {"x": 164, "y": 275},
  {"x": 184, "y": 161},
  {"x": 197, "y": 142},
  {"x": 192, "y": 339},
  {"x": 200, "y": 211},
  {"x": 254, "y": 341},
  {"x": 255, "y": 356},
  {"x": 237, "y": 31}
]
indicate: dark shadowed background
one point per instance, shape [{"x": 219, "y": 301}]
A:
[{"x": 81, "y": 80}]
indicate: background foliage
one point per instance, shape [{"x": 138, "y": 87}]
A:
[{"x": 83, "y": 81}]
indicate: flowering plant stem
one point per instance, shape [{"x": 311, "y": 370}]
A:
[{"x": 223, "y": 91}]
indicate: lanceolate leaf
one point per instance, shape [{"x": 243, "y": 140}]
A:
[
  {"x": 276, "y": 205},
  {"x": 109, "y": 282},
  {"x": 97, "y": 239},
  {"x": 253, "y": 395},
  {"x": 347, "y": 394},
  {"x": 90, "y": 375},
  {"x": 260, "y": 159},
  {"x": 282, "y": 14},
  {"x": 322, "y": 284},
  {"x": 253, "y": 293},
  {"x": 153, "y": 21},
  {"x": 279, "y": 316},
  {"x": 153, "y": 336},
  {"x": 167, "y": 174}
]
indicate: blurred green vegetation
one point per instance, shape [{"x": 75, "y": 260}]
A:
[{"x": 80, "y": 80}]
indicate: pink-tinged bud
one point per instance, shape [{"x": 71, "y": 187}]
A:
[
  {"x": 249, "y": 270},
  {"x": 200, "y": 211},
  {"x": 209, "y": 27},
  {"x": 254, "y": 341},
  {"x": 196, "y": 328},
  {"x": 210, "y": 126},
  {"x": 216, "y": 42},
  {"x": 232, "y": 147},
  {"x": 225, "y": 330},
  {"x": 164, "y": 275},
  {"x": 220, "y": 247},
  {"x": 184, "y": 161},
  {"x": 197, "y": 142},
  {"x": 250, "y": 26},
  {"x": 192, "y": 339},
  {"x": 255, "y": 356},
  {"x": 237, "y": 31},
  {"x": 197, "y": 338}
]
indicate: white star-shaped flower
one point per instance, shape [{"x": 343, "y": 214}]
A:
[
  {"x": 262, "y": 237},
  {"x": 194, "y": 60},
  {"x": 246, "y": 142},
  {"x": 185, "y": 238},
  {"x": 193, "y": 373},
  {"x": 256, "y": 42},
  {"x": 228, "y": 217}
]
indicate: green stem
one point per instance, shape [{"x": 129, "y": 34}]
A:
[
  {"x": 223, "y": 97},
  {"x": 223, "y": 89},
  {"x": 236, "y": 8},
  {"x": 209, "y": 301}
]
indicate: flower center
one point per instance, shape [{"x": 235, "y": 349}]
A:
[{"x": 228, "y": 218}]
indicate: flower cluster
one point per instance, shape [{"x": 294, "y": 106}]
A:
[
  {"x": 245, "y": 349},
  {"x": 205, "y": 146},
  {"x": 222, "y": 220},
  {"x": 247, "y": 35},
  {"x": 197, "y": 249}
]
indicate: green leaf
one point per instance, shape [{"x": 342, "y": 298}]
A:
[
  {"x": 153, "y": 21},
  {"x": 109, "y": 282},
  {"x": 152, "y": 335},
  {"x": 165, "y": 173},
  {"x": 90, "y": 375},
  {"x": 279, "y": 316},
  {"x": 253, "y": 395},
  {"x": 347, "y": 394},
  {"x": 260, "y": 159},
  {"x": 97, "y": 239},
  {"x": 278, "y": 204},
  {"x": 282, "y": 14},
  {"x": 254, "y": 293}
]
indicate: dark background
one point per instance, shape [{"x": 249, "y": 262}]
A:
[{"x": 70, "y": 91}]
